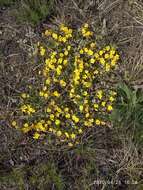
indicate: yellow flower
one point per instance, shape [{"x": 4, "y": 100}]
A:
[
  {"x": 83, "y": 30},
  {"x": 113, "y": 62},
  {"x": 99, "y": 94},
  {"x": 66, "y": 109},
  {"x": 14, "y": 124},
  {"x": 101, "y": 52},
  {"x": 77, "y": 142},
  {"x": 27, "y": 109},
  {"x": 48, "y": 110},
  {"x": 103, "y": 123},
  {"x": 80, "y": 131},
  {"x": 85, "y": 101},
  {"x": 67, "y": 116},
  {"x": 96, "y": 55},
  {"x": 113, "y": 93},
  {"x": 26, "y": 125},
  {"x": 66, "y": 53},
  {"x": 49, "y": 122},
  {"x": 25, "y": 129},
  {"x": 117, "y": 57},
  {"x": 24, "y": 95},
  {"x": 69, "y": 47},
  {"x": 57, "y": 114},
  {"x": 45, "y": 95},
  {"x": 91, "y": 120},
  {"x": 85, "y": 93},
  {"x": 107, "y": 67},
  {"x": 92, "y": 60},
  {"x": 75, "y": 118},
  {"x": 53, "y": 102},
  {"x": 81, "y": 51},
  {"x": 30, "y": 109},
  {"x": 36, "y": 135},
  {"x": 55, "y": 93},
  {"x": 64, "y": 39},
  {"x": 60, "y": 60},
  {"x": 47, "y": 33},
  {"x": 81, "y": 107},
  {"x": 70, "y": 144},
  {"x": 57, "y": 122},
  {"x": 111, "y": 98},
  {"x": 54, "y": 131},
  {"x": 112, "y": 52},
  {"x": 23, "y": 108},
  {"x": 87, "y": 115},
  {"x": 39, "y": 127},
  {"x": 88, "y": 34},
  {"x": 65, "y": 62},
  {"x": 96, "y": 72},
  {"x": 67, "y": 135},
  {"x": 102, "y": 61},
  {"x": 96, "y": 107},
  {"x": 92, "y": 45},
  {"x": 52, "y": 117},
  {"x": 62, "y": 27},
  {"x": 44, "y": 88},
  {"x": 61, "y": 55},
  {"x": 90, "y": 52},
  {"x": 106, "y": 56},
  {"x": 111, "y": 56},
  {"x": 107, "y": 48},
  {"x": 87, "y": 84},
  {"x": 58, "y": 70},
  {"x": 58, "y": 109},
  {"x": 109, "y": 108},
  {"x": 88, "y": 123},
  {"x": 73, "y": 136},
  {"x": 59, "y": 133},
  {"x": 41, "y": 93},
  {"x": 50, "y": 129},
  {"x": 55, "y": 36},
  {"x": 48, "y": 81},
  {"x": 97, "y": 121},
  {"x": 86, "y": 50},
  {"x": 42, "y": 51},
  {"x": 62, "y": 83},
  {"x": 103, "y": 104},
  {"x": 85, "y": 25}
]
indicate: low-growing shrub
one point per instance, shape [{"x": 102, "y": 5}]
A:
[
  {"x": 33, "y": 11},
  {"x": 6, "y": 2},
  {"x": 71, "y": 92},
  {"x": 128, "y": 111},
  {"x": 40, "y": 176}
]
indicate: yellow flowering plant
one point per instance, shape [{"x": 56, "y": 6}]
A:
[{"x": 73, "y": 92}]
